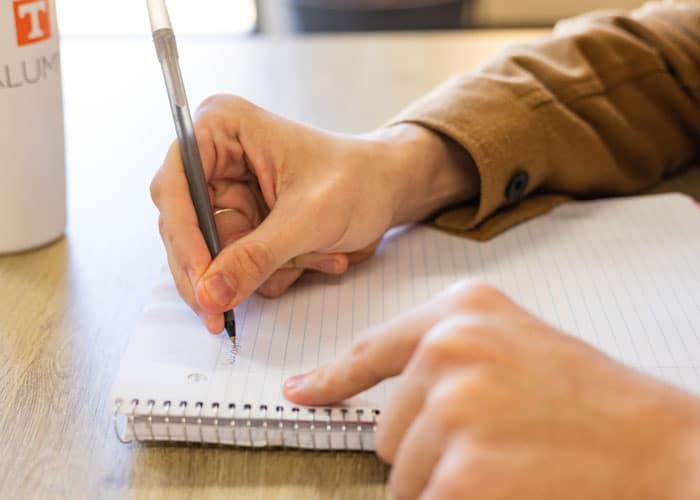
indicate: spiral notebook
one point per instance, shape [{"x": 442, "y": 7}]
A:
[{"x": 622, "y": 275}]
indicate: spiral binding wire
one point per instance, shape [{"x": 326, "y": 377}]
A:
[{"x": 247, "y": 420}]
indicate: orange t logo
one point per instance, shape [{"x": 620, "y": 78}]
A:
[{"x": 32, "y": 21}]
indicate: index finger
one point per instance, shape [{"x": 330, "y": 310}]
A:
[
  {"x": 179, "y": 227},
  {"x": 380, "y": 353}
]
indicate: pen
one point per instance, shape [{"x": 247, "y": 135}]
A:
[{"x": 166, "y": 48}]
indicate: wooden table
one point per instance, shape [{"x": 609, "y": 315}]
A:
[{"x": 66, "y": 311}]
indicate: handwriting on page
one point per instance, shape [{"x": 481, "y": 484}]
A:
[{"x": 232, "y": 353}]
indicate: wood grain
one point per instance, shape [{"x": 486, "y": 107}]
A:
[{"x": 67, "y": 310}]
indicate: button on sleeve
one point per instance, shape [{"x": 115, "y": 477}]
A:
[{"x": 517, "y": 186}]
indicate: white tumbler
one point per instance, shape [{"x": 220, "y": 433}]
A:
[{"x": 32, "y": 150}]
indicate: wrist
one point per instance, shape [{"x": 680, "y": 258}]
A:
[{"x": 429, "y": 171}]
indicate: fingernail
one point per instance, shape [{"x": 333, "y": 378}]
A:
[
  {"x": 295, "y": 383},
  {"x": 220, "y": 290},
  {"x": 328, "y": 266}
]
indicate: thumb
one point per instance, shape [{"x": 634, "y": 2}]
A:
[{"x": 243, "y": 266}]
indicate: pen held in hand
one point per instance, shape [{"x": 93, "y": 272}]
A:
[{"x": 166, "y": 48}]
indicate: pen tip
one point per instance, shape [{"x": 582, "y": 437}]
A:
[{"x": 231, "y": 329}]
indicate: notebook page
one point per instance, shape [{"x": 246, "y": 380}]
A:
[{"x": 620, "y": 274}]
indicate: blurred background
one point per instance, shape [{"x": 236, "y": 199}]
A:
[{"x": 251, "y": 17}]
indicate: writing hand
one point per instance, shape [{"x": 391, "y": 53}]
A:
[{"x": 292, "y": 197}]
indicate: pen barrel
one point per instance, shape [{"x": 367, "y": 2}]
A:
[
  {"x": 166, "y": 48},
  {"x": 199, "y": 190},
  {"x": 166, "y": 45}
]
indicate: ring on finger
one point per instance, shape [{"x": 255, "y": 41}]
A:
[{"x": 222, "y": 211}]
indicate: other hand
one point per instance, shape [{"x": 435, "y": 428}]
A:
[{"x": 494, "y": 404}]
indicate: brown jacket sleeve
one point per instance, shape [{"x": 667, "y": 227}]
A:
[{"x": 608, "y": 105}]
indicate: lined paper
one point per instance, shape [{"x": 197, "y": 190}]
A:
[{"x": 622, "y": 275}]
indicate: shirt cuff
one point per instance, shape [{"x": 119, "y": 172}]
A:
[{"x": 502, "y": 131}]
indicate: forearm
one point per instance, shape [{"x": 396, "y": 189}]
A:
[{"x": 609, "y": 105}]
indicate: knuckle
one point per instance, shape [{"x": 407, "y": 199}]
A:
[
  {"x": 254, "y": 260},
  {"x": 445, "y": 404},
  {"x": 155, "y": 189},
  {"x": 214, "y": 101},
  {"x": 217, "y": 102},
  {"x": 237, "y": 102},
  {"x": 359, "y": 365},
  {"x": 456, "y": 341},
  {"x": 432, "y": 354},
  {"x": 442, "y": 410},
  {"x": 359, "y": 347},
  {"x": 439, "y": 345},
  {"x": 472, "y": 295}
]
